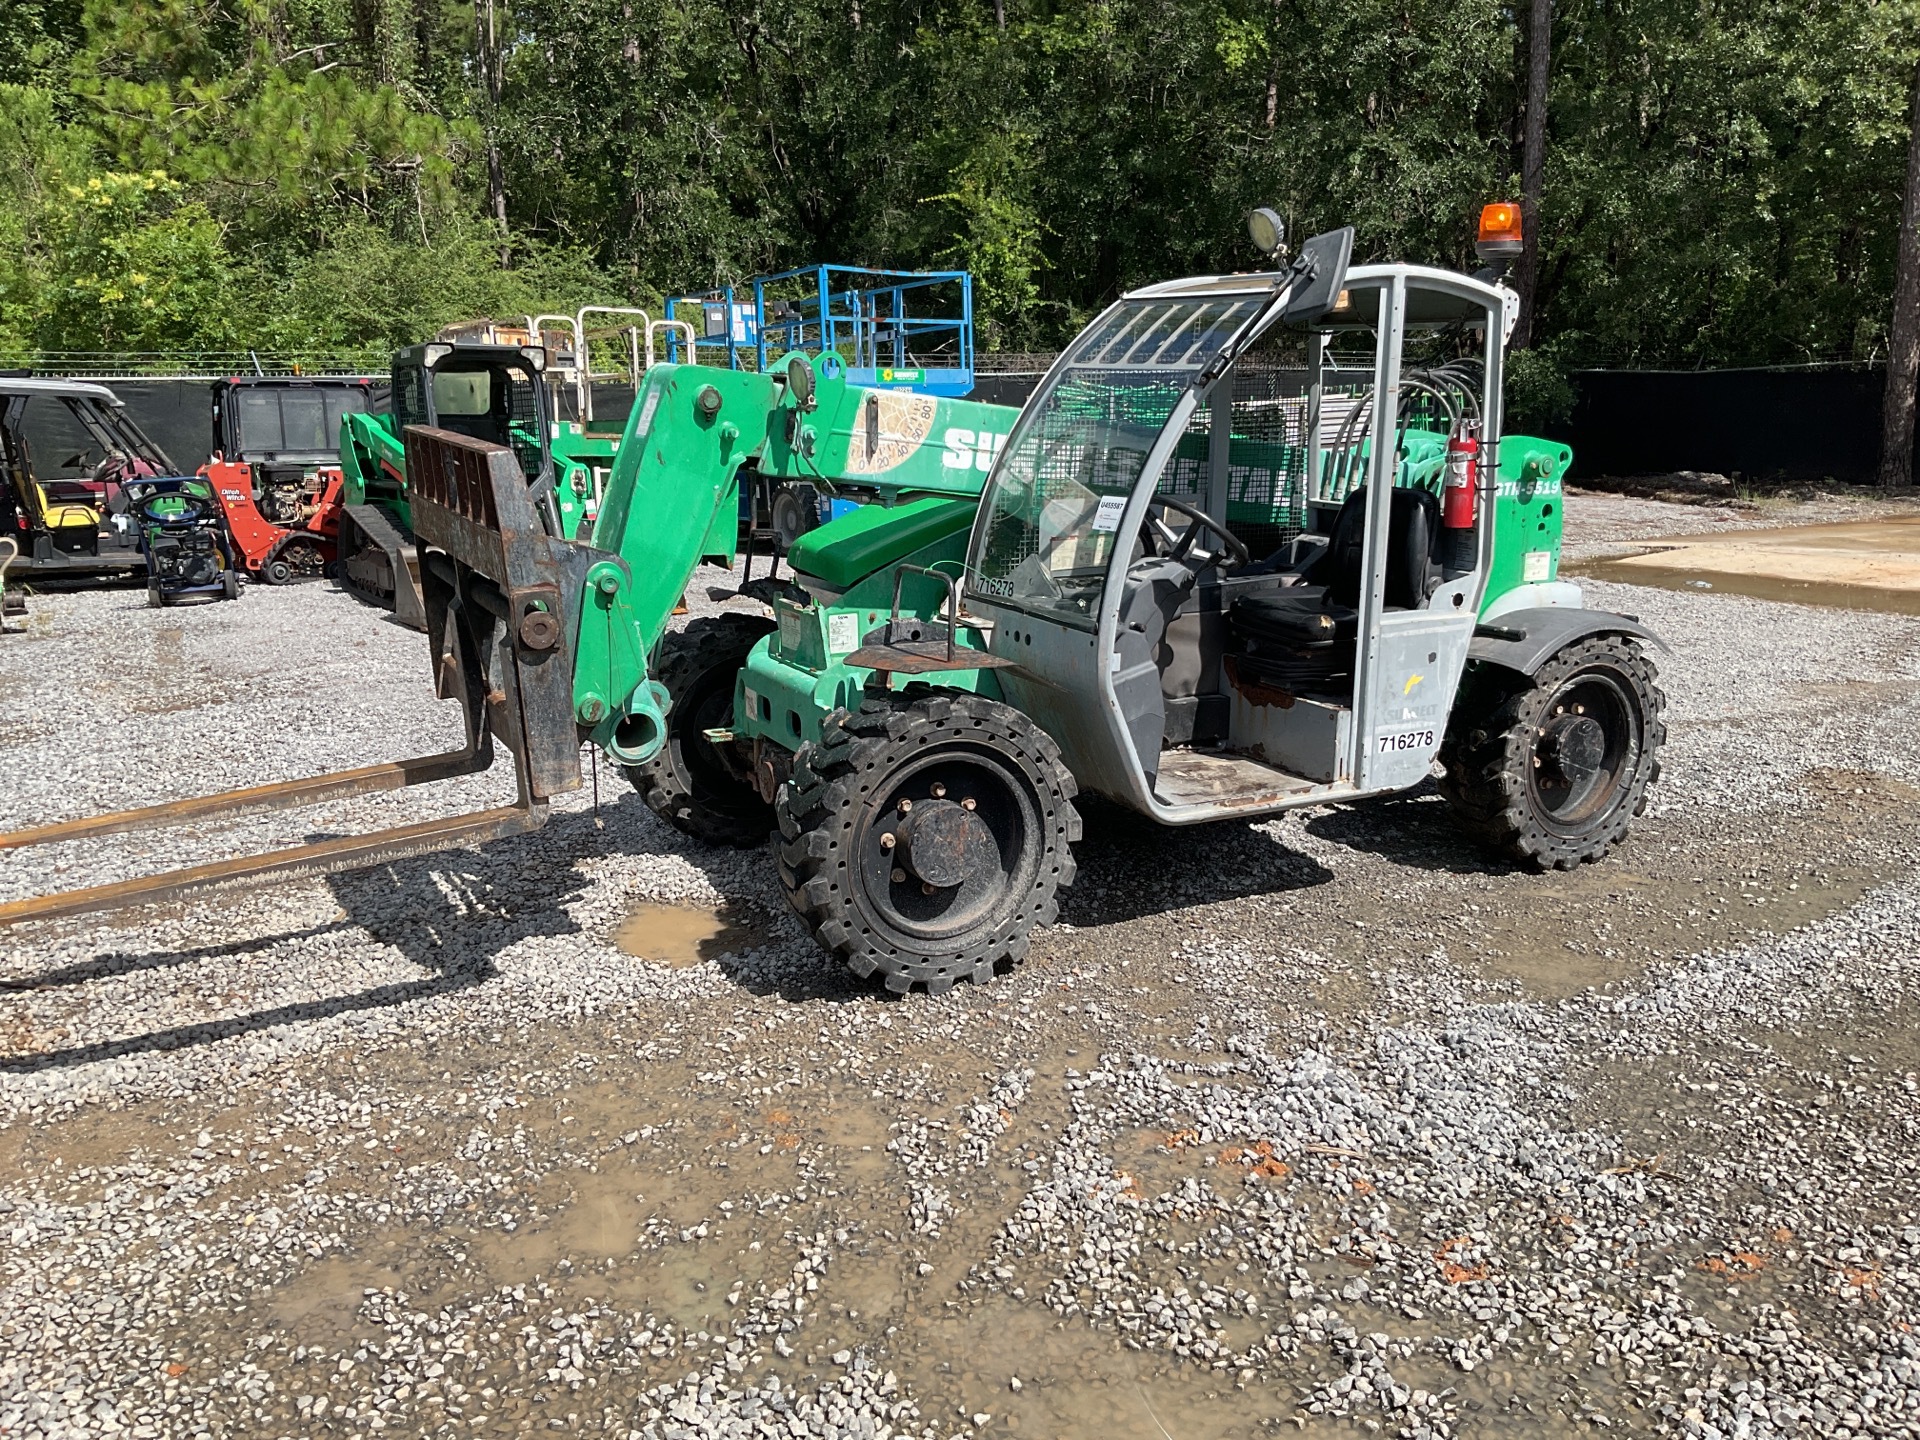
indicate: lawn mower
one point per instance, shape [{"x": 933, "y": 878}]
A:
[
  {"x": 1257, "y": 542},
  {"x": 189, "y": 555}
]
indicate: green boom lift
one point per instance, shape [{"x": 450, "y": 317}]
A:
[{"x": 1257, "y": 542}]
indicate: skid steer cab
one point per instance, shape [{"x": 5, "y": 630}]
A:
[{"x": 492, "y": 393}]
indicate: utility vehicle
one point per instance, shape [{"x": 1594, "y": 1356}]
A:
[
  {"x": 1257, "y": 542},
  {"x": 67, "y": 450}
]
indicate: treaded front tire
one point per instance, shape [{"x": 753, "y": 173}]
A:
[
  {"x": 691, "y": 783},
  {"x": 1551, "y": 771},
  {"x": 926, "y": 835}
]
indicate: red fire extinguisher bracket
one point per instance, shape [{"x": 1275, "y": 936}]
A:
[{"x": 1459, "y": 499}]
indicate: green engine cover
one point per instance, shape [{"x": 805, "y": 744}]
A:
[{"x": 1527, "y": 514}]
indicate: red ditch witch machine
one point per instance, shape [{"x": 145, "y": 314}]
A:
[{"x": 276, "y": 470}]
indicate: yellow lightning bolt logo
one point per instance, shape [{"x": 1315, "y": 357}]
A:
[{"x": 1412, "y": 680}]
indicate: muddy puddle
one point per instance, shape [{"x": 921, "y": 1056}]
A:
[
  {"x": 1857, "y": 565},
  {"x": 1602, "y": 926},
  {"x": 682, "y": 935}
]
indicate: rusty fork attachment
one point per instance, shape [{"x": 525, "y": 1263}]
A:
[{"x": 490, "y": 568}]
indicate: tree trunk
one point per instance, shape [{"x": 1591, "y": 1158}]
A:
[
  {"x": 1000, "y": 14},
  {"x": 1903, "y": 349},
  {"x": 492, "y": 82},
  {"x": 1533, "y": 166}
]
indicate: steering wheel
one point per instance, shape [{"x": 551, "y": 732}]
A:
[{"x": 1179, "y": 545}]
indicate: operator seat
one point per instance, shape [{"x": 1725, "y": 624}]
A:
[{"x": 1302, "y": 637}]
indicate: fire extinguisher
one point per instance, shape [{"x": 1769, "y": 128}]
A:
[{"x": 1459, "y": 500}]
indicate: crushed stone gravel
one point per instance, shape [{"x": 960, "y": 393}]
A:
[{"x": 1327, "y": 1124}]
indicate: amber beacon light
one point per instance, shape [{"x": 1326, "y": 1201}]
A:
[{"x": 1500, "y": 236}]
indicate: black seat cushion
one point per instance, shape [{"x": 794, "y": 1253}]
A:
[
  {"x": 1298, "y": 618},
  {"x": 1301, "y": 638}
]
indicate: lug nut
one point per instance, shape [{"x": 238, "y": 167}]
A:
[
  {"x": 887, "y": 841},
  {"x": 968, "y": 803},
  {"x": 899, "y": 877},
  {"x": 925, "y": 888},
  {"x": 905, "y": 806},
  {"x": 939, "y": 791}
]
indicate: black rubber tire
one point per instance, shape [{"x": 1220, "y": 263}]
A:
[
  {"x": 792, "y": 515},
  {"x": 690, "y": 784},
  {"x": 844, "y": 792},
  {"x": 1504, "y": 778},
  {"x": 230, "y": 584},
  {"x": 277, "y": 572}
]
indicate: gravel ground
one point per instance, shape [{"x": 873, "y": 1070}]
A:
[{"x": 1328, "y": 1123}]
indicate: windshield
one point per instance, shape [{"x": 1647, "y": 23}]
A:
[
  {"x": 300, "y": 420},
  {"x": 1056, "y": 497}
]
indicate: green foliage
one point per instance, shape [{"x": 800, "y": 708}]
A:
[
  {"x": 1722, "y": 178},
  {"x": 369, "y": 292},
  {"x": 129, "y": 265},
  {"x": 1539, "y": 394}
]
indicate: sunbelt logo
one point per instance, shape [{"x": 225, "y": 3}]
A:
[{"x": 971, "y": 449}]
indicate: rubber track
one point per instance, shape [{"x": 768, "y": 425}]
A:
[
  {"x": 1490, "y": 745},
  {"x": 830, "y": 785}
]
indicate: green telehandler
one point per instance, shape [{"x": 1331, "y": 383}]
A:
[{"x": 1256, "y": 542}]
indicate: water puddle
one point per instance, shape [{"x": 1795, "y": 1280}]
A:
[
  {"x": 322, "y": 1303},
  {"x": 1856, "y": 565},
  {"x": 684, "y": 935}
]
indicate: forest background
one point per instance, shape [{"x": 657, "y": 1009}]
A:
[{"x": 1722, "y": 180}]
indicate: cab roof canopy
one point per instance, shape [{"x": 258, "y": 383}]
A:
[
  {"x": 1435, "y": 298},
  {"x": 69, "y": 389}
]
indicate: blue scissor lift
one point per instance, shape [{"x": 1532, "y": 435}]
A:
[{"x": 894, "y": 329}]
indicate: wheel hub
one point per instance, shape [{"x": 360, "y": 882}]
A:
[
  {"x": 944, "y": 844},
  {"x": 1575, "y": 746}
]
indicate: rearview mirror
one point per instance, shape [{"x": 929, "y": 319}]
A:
[
  {"x": 800, "y": 382},
  {"x": 1322, "y": 268}
]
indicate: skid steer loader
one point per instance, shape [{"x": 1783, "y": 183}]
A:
[{"x": 1257, "y": 542}]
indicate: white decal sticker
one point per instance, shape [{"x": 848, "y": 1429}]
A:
[
  {"x": 753, "y": 702},
  {"x": 1405, "y": 740},
  {"x": 964, "y": 449},
  {"x": 651, "y": 404},
  {"x": 843, "y": 633},
  {"x": 1533, "y": 566},
  {"x": 1107, "y": 516}
]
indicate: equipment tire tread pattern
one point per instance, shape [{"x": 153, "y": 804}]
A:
[
  {"x": 1489, "y": 747},
  {"x": 705, "y": 643},
  {"x": 820, "y": 806}
]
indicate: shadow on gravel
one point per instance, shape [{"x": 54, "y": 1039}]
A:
[
  {"x": 441, "y": 911},
  {"x": 1130, "y": 867},
  {"x": 1413, "y": 828},
  {"x": 806, "y": 977},
  {"x": 108, "y": 966}
]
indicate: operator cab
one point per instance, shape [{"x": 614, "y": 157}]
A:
[
  {"x": 1221, "y": 515},
  {"x": 496, "y": 393}
]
